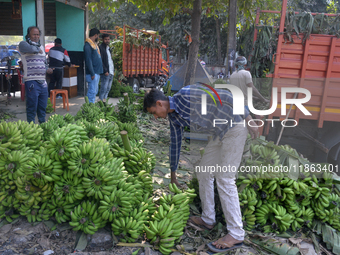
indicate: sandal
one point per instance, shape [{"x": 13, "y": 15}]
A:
[{"x": 214, "y": 249}]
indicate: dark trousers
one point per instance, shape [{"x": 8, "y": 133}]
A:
[
  {"x": 56, "y": 79},
  {"x": 36, "y": 100}
]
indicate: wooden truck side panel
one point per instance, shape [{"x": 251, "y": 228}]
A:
[
  {"x": 140, "y": 60},
  {"x": 313, "y": 65}
]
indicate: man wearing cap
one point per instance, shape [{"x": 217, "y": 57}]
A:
[
  {"x": 242, "y": 79},
  {"x": 58, "y": 56}
]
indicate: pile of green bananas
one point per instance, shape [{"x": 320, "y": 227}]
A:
[
  {"x": 68, "y": 169},
  {"x": 275, "y": 202}
]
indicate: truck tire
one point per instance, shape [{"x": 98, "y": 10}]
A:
[{"x": 135, "y": 86}]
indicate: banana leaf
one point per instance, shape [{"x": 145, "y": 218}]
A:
[
  {"x": 329, "y": 235},
  {"x": 81, "y": 241},
  {"x": 275, "y": 247}
]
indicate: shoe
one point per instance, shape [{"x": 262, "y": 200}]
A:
[
  {"x": 197, "y": 221},
  {"x": 104, "y": 100},
  {"x": 59, "y": 97}
]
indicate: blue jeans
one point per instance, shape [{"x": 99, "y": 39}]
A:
[
  {"x": 92, "y": 87},
  {"x": 36, "y": 100},
  {"x": 105, "y": 85}
]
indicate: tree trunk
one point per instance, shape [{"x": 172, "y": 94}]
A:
[
  {"x": 232, "y": 35},
  {"x": 194, "y": 46},
  {"x": 218, "y": 38}
]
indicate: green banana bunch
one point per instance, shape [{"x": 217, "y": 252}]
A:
[
  {"x": 89, "y": 112},
  {"x": 93, "y": 129},
  {"x": 68, "y": 118},
  {"x": 179, "y": 201},
  {"x": 145, "y": 180},
  {"x": 11, "y": 138},
  {"x": 42, "y": 170},
  {"x": 100, "y": 183},
  {"x": 191, "y": 193},
  {"x": 83, "y": 159},
  {"x": 165, "y": 231},
  {"x": 132, "y": 129},
  {"x": 48, "y": 128},
  {"x": 7, "y": 208},
  {"x": 307, "y": 216},
  {"x": 248, "y": 219},
  {"x": 136, "y": 160},
  {"x": 147, "y": 199},
  {"x": 267, "y": 154},
  {"x": 253, "y": 180},
  {"x": 35, "y": 213},
  {"x": 280, "y": 214},
  {"x": 27, "y": 193},
  {"x": 85, "y": 217},
  {"x": 63, "y": 142},
  {"x": 111, "y": 129},
  {"x": 32, "y": 134},
  {"x": 130, "y": 227},
  {"x": 61, "y": 209},
  {"x": 118, "y": 204},
  {"x": 7, "y": 188},
  {"x": 14, "y": 164},
  {"x": 69, "y": 187},
  {"x": 327, "y": 178},
  {"x": 173, "y": 188},
  {"x": 58, "y": 120},
  {"x": 248, "y": 199}
]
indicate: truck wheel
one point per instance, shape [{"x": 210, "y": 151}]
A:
[{"x": 135, "y": 86}]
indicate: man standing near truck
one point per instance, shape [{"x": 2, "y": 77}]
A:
[
  {"x": 242, "y": 79},
  {"x": 108, "y": 68},
  {"x": 225, "y": 150},
  {"x": 93, "y": 63}
]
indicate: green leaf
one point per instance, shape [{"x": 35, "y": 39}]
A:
[
  {"x": 135, "y": 252},
  {"x": 82, "y": 242},
  {"x": 293, "y": 166}
]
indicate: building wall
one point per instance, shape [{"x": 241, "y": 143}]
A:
[
  {"x": 28, "y": 14},
  {"x": 70, "y": 26}
]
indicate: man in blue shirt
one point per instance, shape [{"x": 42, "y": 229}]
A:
[{"x": 224, "y": 151}]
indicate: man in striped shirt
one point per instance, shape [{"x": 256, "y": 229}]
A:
[
  {"x": 184, "y": 109},
  {"x": 33, "y": 58}
]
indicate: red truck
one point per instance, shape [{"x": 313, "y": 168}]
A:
[
  {"x": 312, "y": 64},
  {"x": 147, "y": 64}
]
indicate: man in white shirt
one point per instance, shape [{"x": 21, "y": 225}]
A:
[
  {"x": 242, "y": 79},
  {"x": 106, "y": 77}
]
